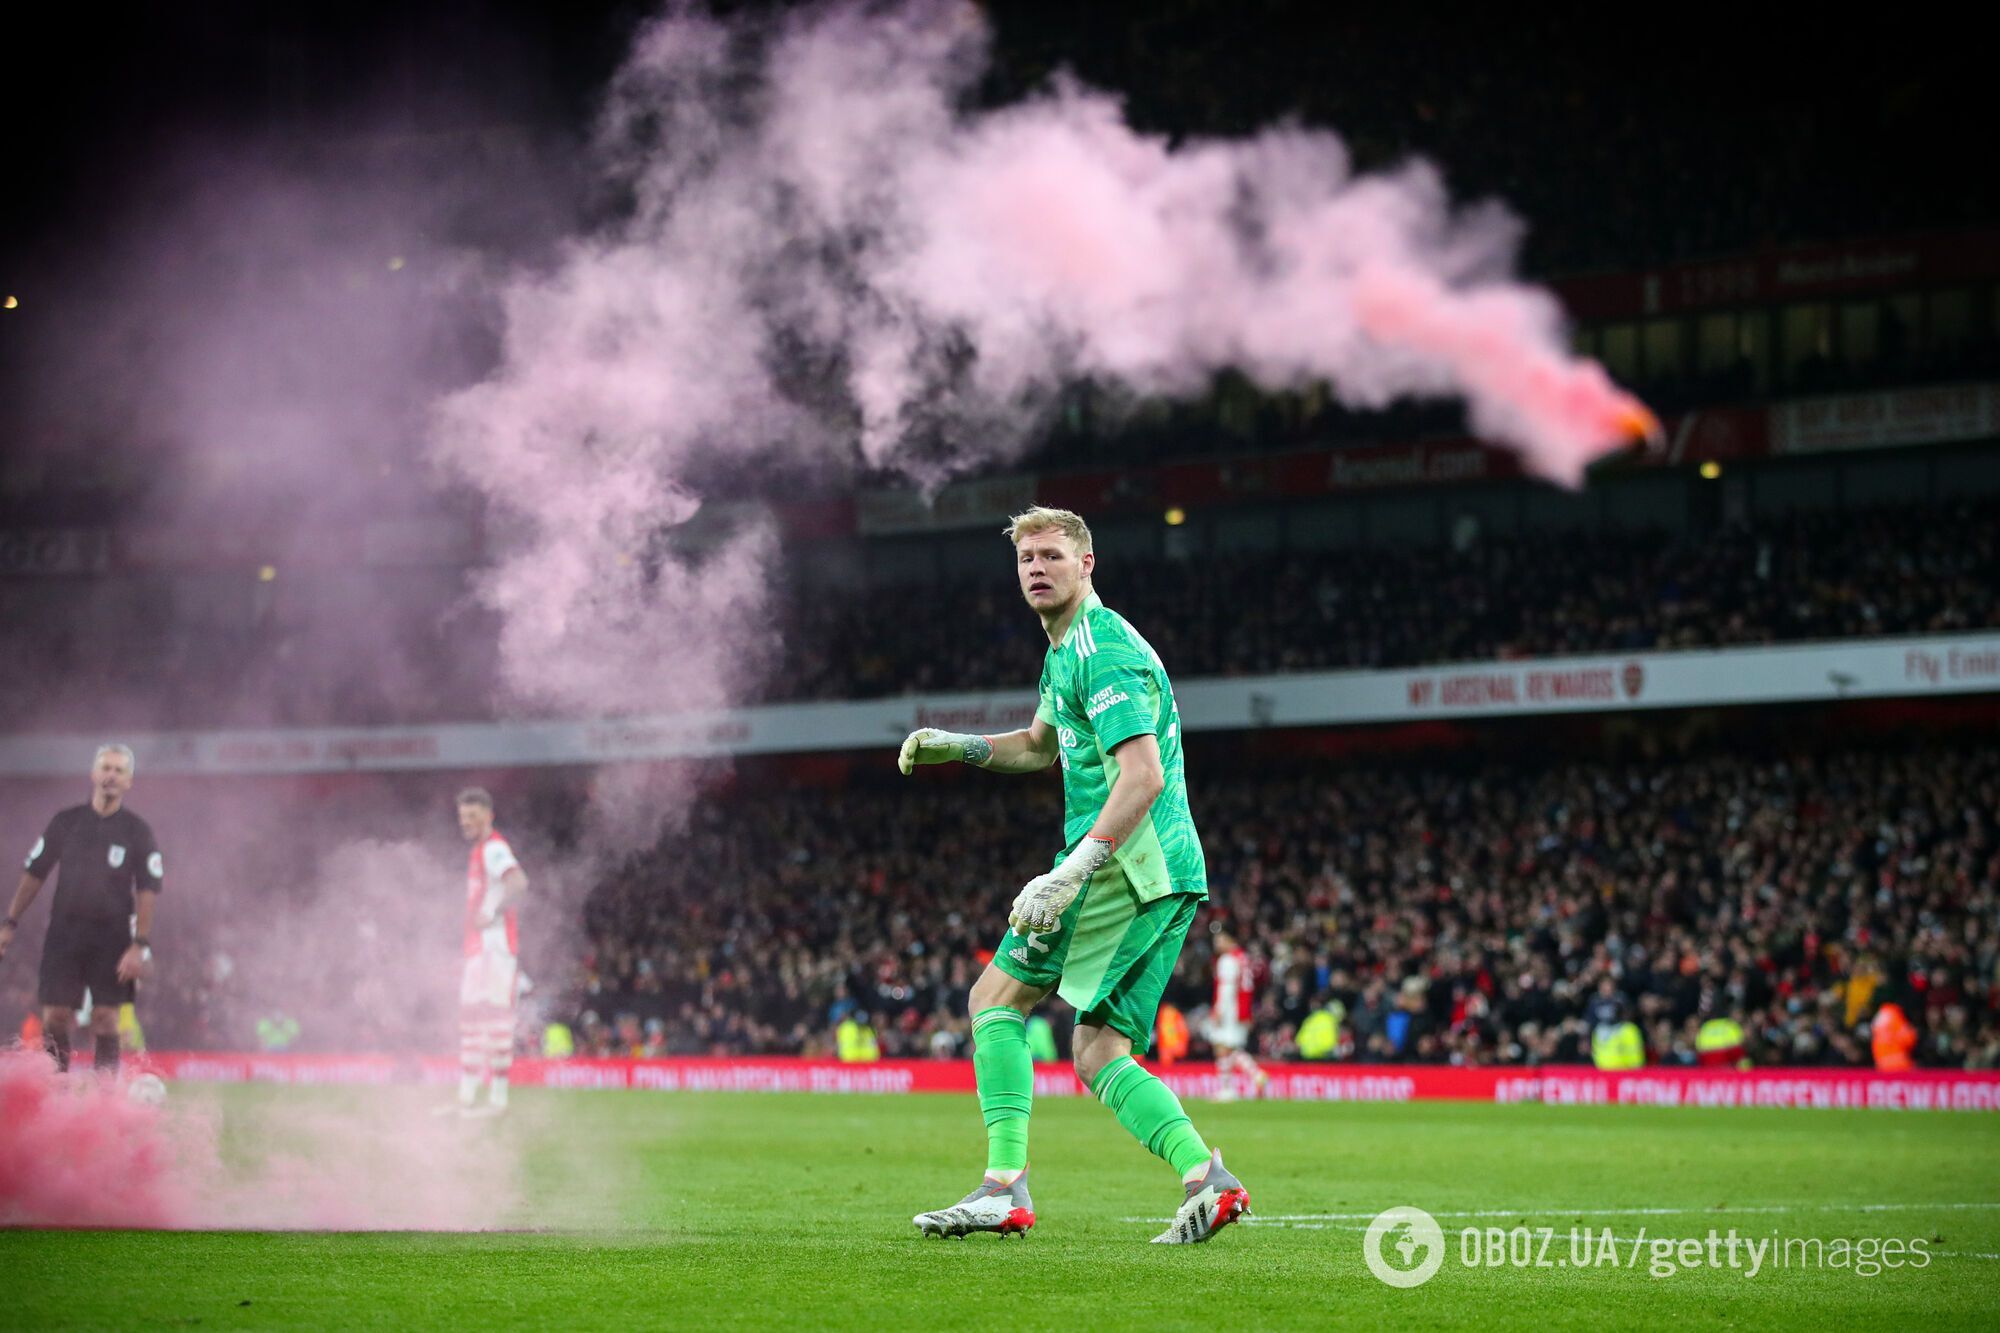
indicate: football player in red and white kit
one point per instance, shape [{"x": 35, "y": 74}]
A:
[
  {"x": 494, "y": 887},
  {"x": 1229, "y": 1020}
]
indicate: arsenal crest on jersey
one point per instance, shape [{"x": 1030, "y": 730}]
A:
[{"x": 117, "y": 856}]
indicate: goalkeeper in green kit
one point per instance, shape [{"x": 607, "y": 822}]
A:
[{"x": 1104, "y": 926}]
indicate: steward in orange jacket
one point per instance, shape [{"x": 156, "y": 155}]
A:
[{"x": 1892, "y": 1038}]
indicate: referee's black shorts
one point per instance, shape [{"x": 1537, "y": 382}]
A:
[{"x": 82, "y": 952}]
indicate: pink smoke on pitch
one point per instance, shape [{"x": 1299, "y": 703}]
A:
[
  {"x": 80, "y": 1152},
  {"x": 377, "y": 1160},
  {"x": 258, "y": 328},
  {"x": 84, "y": 1156},
  {"x": 336, "y": 903},
  {"x": 826, "y": 255}
]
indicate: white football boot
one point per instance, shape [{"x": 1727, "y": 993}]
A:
[{"x": 995, "y": 1207}]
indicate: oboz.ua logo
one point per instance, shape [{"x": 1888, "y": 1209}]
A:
[{"x": 1404, "y": 1247}]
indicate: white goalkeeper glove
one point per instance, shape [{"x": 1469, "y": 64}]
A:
[
  {"x": 1039, "y": 907},
  {"x": 928, "y": 745}
]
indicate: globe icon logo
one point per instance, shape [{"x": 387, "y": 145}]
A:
[{"x": 1404, "y": 1247}]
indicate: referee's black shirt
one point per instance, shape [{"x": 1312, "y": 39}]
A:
[{"x": 105, "y": 859}]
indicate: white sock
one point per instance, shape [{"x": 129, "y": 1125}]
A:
[
  {"x": 468, "y": 1089},
  {"x": 496, "y": 1091}
]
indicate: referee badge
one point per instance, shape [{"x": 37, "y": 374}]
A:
[{"x": 117, "y": 856}]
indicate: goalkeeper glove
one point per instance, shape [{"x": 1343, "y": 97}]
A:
[
  {"x": 1039, "y": 907},
  {"x": 927, "y": 745}
]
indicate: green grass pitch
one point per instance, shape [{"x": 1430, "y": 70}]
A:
[{"x": 648, "y": 1210}]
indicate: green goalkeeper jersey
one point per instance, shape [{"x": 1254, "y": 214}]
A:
[{"x": 1101, "y": 685}]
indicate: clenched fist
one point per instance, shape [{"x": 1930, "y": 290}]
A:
[{"x": 928, "y": 745}]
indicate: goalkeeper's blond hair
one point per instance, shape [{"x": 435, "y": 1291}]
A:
[{"x": 1040, "y": 518}]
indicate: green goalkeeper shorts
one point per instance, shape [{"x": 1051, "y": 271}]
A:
[{"x": 1110, "y": 957}]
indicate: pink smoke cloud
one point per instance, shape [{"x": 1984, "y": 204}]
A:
[
  {"x": 79, "y": 1155},
  {"x": 79, "y": 1152},
  {"x": 810, "y": 199}
]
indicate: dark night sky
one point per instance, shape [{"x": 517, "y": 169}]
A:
[
  {"x": 97, "y": 89},
  {"x": 92, "y": 88}
]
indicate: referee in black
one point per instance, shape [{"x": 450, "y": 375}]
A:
[{"x": 100, "y": 924}]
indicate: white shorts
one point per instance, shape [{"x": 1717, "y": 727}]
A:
[
  {"x": 1229, "y": 1036},
  {"x": 488, "y": 981}
]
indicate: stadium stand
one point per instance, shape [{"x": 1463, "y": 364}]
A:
[
  {"x": 1906, "y": 569},
  {"x": 1484, "y": 901},
  {"x": 1897, "y": 570}
]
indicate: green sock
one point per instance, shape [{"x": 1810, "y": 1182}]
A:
[
  {"x": 1150, "y": 1113},
  {"x": 1006, "y": 1076}
]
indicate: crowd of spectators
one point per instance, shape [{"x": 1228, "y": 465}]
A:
[
  {"x": 1898, "y": 570},
  {"x": 1459, "y": 911},
  {"x": 1903, "y": 570}
]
